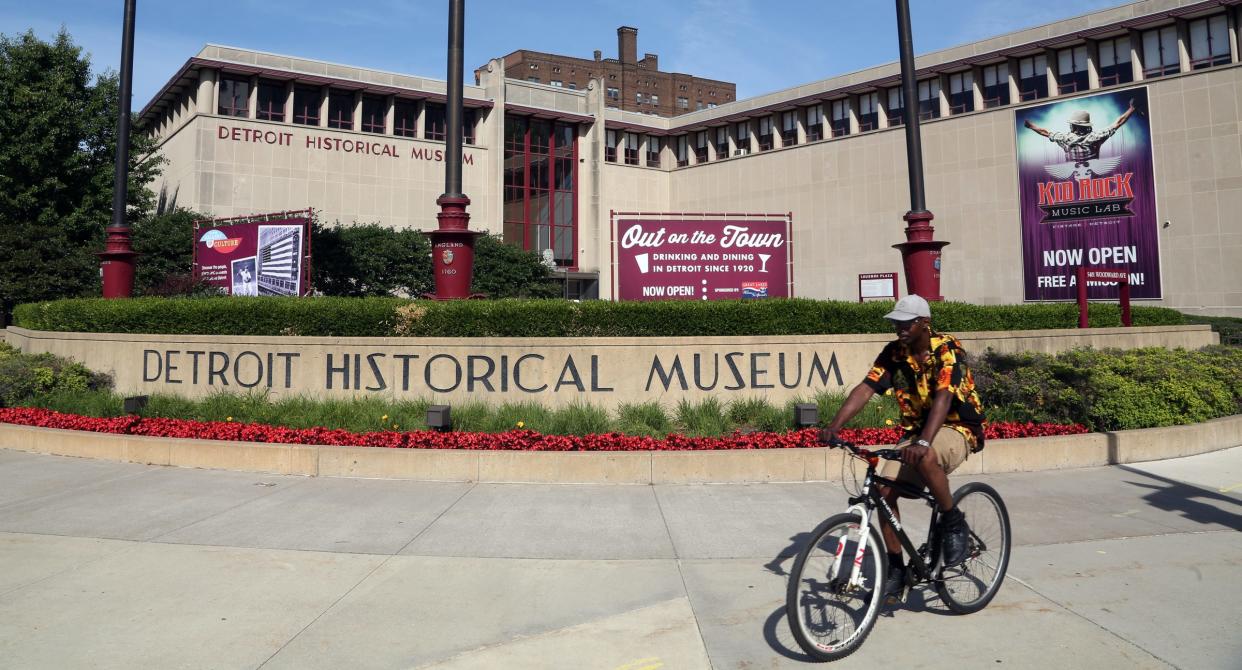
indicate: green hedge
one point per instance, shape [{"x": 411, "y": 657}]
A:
[
  {"x": 1113, "y": 389},
  {"x": 1229, "y": 327},
  {"x": 537, "y": 318}
]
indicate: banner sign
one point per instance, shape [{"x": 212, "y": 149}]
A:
[
  {"x": 676, "y": 258},
  {"x": 256, "y": 257},
  {"x": 1088, "y": 195}
]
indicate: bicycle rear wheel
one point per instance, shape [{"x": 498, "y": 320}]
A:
[
  {"x": 968, "y": 587},
  {"x": 830, "y": 619}
]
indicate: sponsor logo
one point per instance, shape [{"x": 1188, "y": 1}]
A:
[
  {"x": 219, "y": 242},
  {"x": 754, "y": 289},
  {"x": 447, "y": 256}
]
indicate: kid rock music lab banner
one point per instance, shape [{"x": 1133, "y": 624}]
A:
[{"x": 1088, "y": 195}]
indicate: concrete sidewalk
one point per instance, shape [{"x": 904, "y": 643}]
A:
[{"x": 109, "y": 565}]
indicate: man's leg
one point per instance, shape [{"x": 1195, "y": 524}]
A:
[{"x": 895, "y": 584}]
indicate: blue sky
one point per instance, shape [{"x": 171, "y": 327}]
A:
[{"x": 761, "y": 46}]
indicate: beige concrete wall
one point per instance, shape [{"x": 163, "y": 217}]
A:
[
  {"x": 629, "y": 467},
  {"x": 604, "y": 371},
  {"x": 234, "y": 177}
]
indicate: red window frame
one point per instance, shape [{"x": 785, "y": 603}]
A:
[
  {"x": 374, "y": 109},
  {"x": 549, "y": 156},
  {"x": 405, "y": 118},
  {"x": 435, "y": 121},
  {"x": 271, "y": 105},
  {"x": 304, "y": 113},
  {"x": 229, "y": 107},
  {"x": 340, "y": 115}
]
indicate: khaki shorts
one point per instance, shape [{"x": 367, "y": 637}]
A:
[{"x": 951, "y": 450}]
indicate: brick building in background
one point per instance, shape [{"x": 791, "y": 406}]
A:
[{"x": 630, "y": 84}]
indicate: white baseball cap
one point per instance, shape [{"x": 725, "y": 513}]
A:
[{"x": 909, "y": 308}]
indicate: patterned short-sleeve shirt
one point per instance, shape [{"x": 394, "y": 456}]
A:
[
  {"x": 915, "y": 380},
  {"x": 1082, "y": 147}
]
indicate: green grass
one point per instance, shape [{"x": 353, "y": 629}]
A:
[{"x": 705, "y": 418}]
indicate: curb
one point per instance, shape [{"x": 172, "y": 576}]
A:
[{"x": 608, "y": 467}]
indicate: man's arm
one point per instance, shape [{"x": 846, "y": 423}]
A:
[
  {"x": 1041, "y": 131},
  {"x": 853, "y": 405},
  {"x": 1121, "y": 120}
]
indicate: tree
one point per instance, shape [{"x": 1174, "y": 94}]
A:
[
  {"x": 57, "y": 168},
  {"x": 369, "y": 260},
  {"x": 165, "y": 241},
  {"x": 505, "y": 271}
]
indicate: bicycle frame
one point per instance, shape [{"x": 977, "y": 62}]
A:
[{"x": 869, "y": 499}]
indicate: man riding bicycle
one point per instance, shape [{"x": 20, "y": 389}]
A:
[{"x": 928, "y": 374}]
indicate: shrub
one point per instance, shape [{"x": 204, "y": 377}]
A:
[
  {"x": 386, "y": 316},
  {"x": 1113, "y": 389},
  {"x": 24, "y": 377},
  {"x": 1229, "y": 327}
]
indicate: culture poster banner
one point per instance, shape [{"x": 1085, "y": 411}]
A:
[
  {"x": 1088, "y": 195},
  {"x": 677, "y": 257},
  {"x": 254, "y": 258}
]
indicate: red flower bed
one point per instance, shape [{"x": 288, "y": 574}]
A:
[{"x": 515, "y": 440}]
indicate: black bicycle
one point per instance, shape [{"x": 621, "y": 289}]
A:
[{"x": 836, "y": 587}]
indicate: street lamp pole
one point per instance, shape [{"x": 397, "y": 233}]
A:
[
  {"x": 920, "y": 253},
  {"x": 116, "y": 262},
  {"x": 452, "y": 243}
]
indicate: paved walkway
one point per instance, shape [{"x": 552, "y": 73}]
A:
[{"x": 108, "y": 565}]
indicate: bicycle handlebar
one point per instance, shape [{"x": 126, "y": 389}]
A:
[{"x": 887, "y": 454}]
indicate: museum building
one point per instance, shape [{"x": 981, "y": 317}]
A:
[{"x": 550, "y": 168}]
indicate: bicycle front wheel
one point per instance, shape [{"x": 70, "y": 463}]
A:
[
  {"x": 830, "y": 618},
  {"x": 969, "y": 587}
]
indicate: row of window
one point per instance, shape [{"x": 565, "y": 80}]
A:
[
  {"x": 1157, "y": 50},
  {"x": 308, "y": 109}
]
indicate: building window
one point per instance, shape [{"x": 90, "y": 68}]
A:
[
  {"x": 683, "y": 151},
  {"x": 1072, "y": 70},
  {"x": 557, "y": 83},
  {"x": 722, "y": 142},
  {"x": 929, "y": 99},
  {"x": 995, "y": 85},
  {"x": 896, "y": 109},
  {"x": 961, "y": 92},
  {"x": 631, "y": 148},
  {"x": 340, "y": 110},
  {"x": 234, "y": 97},
  {"x": 814, "y": 123},
  {"x": 700, "y": 146},
  {"x": 610, "y": 146},
  {"x": 374, "y": 109},
  {"x": 271, "y": 101},
  {"x": 1160, "y": 56},
  {"x": 306, "y": 104},
  {"x": 868, "y": 112},
  {"x": 534, "y": 78},
  {"x": 614, "y": 94},
  {"x": 653, "y": 151},
  {"x": 405, "y": 118},
  {"x": 789, "y": 128},
  {"x": 1115, "y": 63},
  {"x": 638, "y": 98},
  {"x": 742, "y": 132},
  {"x": 1033, "y": 78},
  {"x": 434, "y": 120},
  {"x": 540, "y": 187},
  {"x": 1209, "y": 42},
  {"x": 765, "y": 133},
  {"x": 571, "y": 86},
  {"x": 468, "y": 120},
  {"x": 840, "y": 118},
  {"x": 683, "y": 102},
  {"x": 655, "y": 100}
]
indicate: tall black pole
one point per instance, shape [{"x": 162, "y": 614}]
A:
[
  {"x": 914, "y": 142},
  {"x": 456, "y": 41},
  {"x": 452, "y": 243},
  {"x": 117, "y": 259},
  {"x": 920, "y": 253}
]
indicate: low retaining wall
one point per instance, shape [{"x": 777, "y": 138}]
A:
[
  {"x": 642, "y": 467},
  {"x": 606, "y": 371}
]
